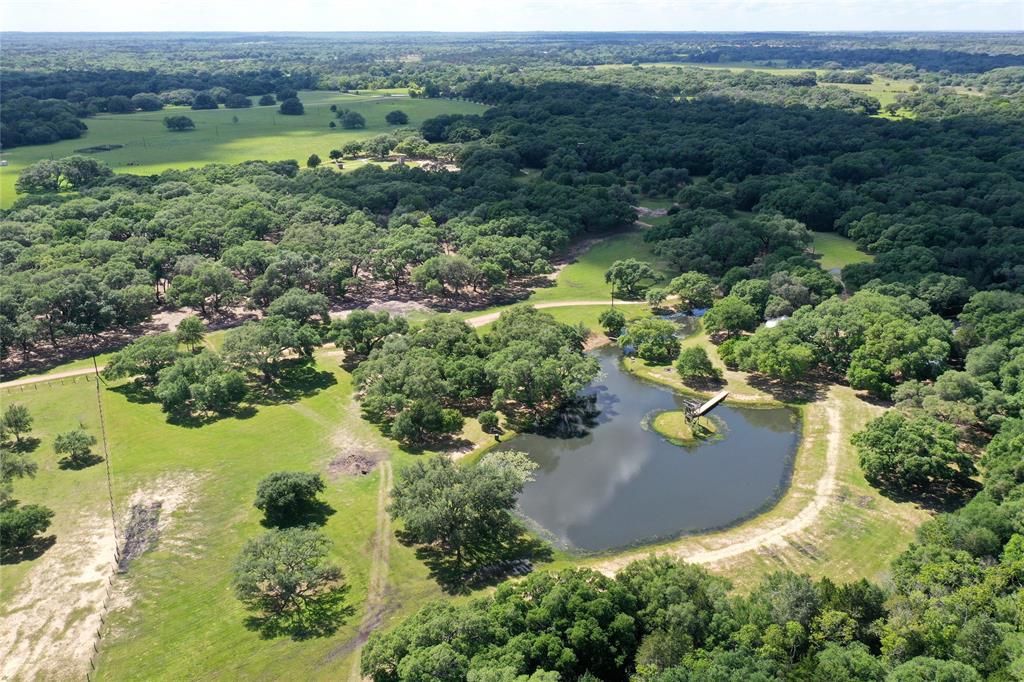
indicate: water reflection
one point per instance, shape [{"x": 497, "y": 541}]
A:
[{"x": 614, "y": 483}]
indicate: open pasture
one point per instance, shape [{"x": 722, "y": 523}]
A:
[{"x": 260, "y": 133}]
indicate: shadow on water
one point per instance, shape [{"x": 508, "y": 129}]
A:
[{"x": 606, "y": 481}]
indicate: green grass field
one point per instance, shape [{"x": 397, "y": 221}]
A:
[
  {"x": 837, "y": 251},
  {"x": 261, "y": 133},
  {"x": 180, "y": 619},
  {"x": 583, "y": 280}
]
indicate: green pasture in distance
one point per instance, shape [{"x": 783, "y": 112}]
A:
[{"x": 260, "y": 133}]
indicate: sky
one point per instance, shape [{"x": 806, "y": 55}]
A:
[{"x": 512, "y": 15}]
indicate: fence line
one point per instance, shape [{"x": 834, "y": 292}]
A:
[{"x": 104, "y": 609}]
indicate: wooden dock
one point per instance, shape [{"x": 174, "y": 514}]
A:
[{"x": 710, "y": 404}]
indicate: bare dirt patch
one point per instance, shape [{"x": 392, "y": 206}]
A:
[
  {"x": 141, "y": 532},
  {"x": 355, "y": 457},
  {"x": 351, "y": 465},
  {"x": 50, "y": 625}
]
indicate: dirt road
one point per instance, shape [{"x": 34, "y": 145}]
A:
[
  {"x": 478, "y": 321},
  {"x": 773, "y": 532},
  {"x": 487, "y": 318}
]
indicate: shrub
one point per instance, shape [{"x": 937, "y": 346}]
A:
[
  {"x": 351, "y": 120},
  {"x": 76, "y": 446},
  {"x": 287, "y": 495},
  {"x": 694, "y": 364},
  {"x": 488, "y": 421},
  {"x": 653, "y": 340},
  {"x": 178, "y": 123},
  {"x": 19, "y": 526},
  {"x": 612, "y": 321},
  {"x": 292, "y": 107},
  {"x": 237, "y": 101}
]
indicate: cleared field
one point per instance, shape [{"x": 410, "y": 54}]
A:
[
  {"x": 260, "y": 133},
  {"x": 837, "y": 251}
]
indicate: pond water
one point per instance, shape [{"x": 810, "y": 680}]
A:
[{"x": 622, "y": 484}]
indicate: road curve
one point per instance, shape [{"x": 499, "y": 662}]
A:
[
  {"x": 772, "y": 533},
  {"x": 478, "y": 321}
]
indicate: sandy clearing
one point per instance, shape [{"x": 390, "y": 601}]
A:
[
  {"x": 49, "y": 627},
  {"x": 771, "y": 537}
]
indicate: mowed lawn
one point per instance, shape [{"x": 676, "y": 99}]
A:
[
  {"x": 837, "y": 251},
  {"x": 179, "y": 618},
  {"x": 260, "y": 133},
  {"x": 583, "y": 280}
]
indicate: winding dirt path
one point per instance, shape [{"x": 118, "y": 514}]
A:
[
  {"x": 55, "y": 376},
  {"x": 751, "y": 540},
  {"x": 487, "y": 318},
  {"x": 478, "y": 321}
]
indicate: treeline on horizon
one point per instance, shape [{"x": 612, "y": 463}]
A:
[
  {"x": 934, "y": 325},
  {"x": 90, "y": 70}
]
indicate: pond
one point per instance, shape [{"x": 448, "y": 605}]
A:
[{"x": 623, "y": 484}]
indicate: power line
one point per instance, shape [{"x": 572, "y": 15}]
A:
[{"x": 106, "y": 449}]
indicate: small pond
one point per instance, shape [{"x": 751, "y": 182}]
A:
[{"x": 622, "y": 484}]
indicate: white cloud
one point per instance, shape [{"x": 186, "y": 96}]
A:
[{"x": 510, "y": 15}]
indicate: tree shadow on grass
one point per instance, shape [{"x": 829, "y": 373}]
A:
[
  {"x": 33, "y": 550},
  {"x": 938, "y": 498},
  {"x": 809, "y": 389},
  {"x": 505, "y": 555},
  {"x": 704, "y": 384},
  {"x": 315, "y": 513},
  {"x": 135, "y": 392},
  {"x": 319, "y": 617},
  {"x": 296, "y": 379},
  {"x": 26, "y": 444},
  {"x": 76, "y": 463},
  {"x": 441, "y": 444},
  {"x": 194, "y": 421}
]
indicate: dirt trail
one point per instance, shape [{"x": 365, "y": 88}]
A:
[
  {"x": 754, "y": 539},
  {"x": 55, "y": 376},
  {"x": 487, "y": 318},
  {"x": 478, "y": 321},
  {"x": 376, "y": 598}
]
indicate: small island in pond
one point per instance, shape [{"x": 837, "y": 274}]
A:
[{"x": 674, "y": 427}]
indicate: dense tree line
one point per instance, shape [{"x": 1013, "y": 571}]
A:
[
  {"x": 929, "y": 196},
  {"x": 106, "y": 258},
  {"x": 951, "y": 610},
  {"x": 119, "y": 74},
  {"x": 421, "y": 381}
]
